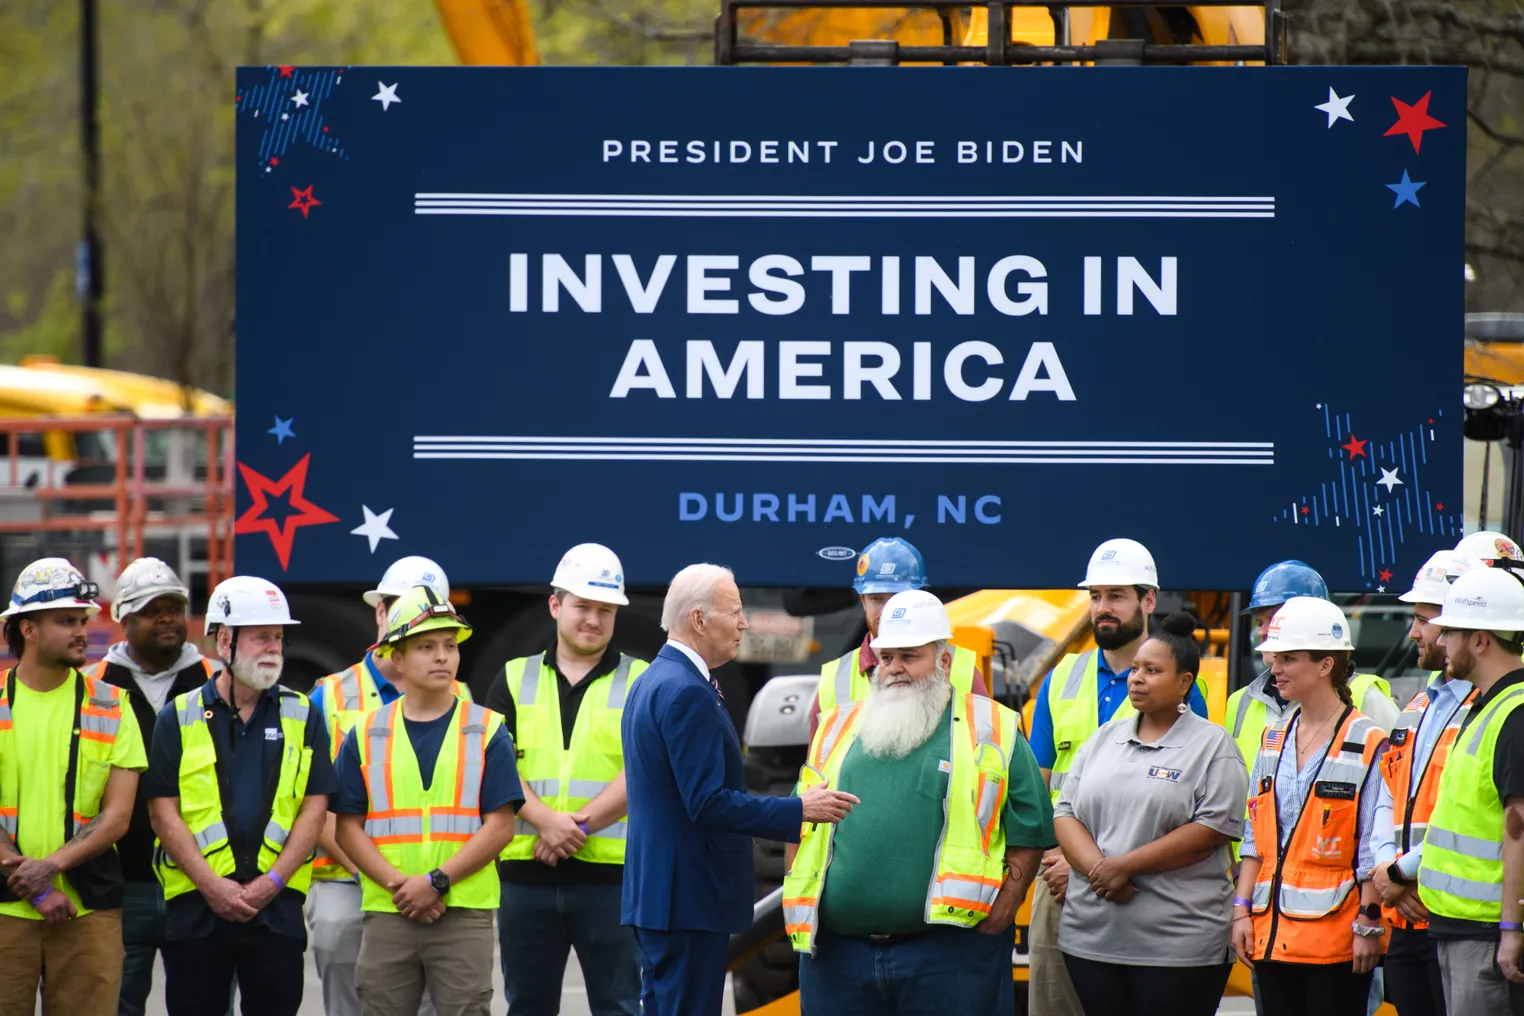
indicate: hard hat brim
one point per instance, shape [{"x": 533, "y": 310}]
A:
[
  {"x": 1414, "y": 596},
  {"x": 462, "y": 632},
  {"x": 906, "y": 642},
  {"x": 125, "y": 607},
  {"x": 865, "y": 588},
  {"x": 1472, "y": 624},
  {"x": 89, "y": 606},
  {"x": 1299, "y": 646},
  {"x": 610, "y": 596},
  {"x": 1088, "y": 584}
]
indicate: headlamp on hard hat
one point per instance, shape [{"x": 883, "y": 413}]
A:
[{"x": 79, "y": 591}]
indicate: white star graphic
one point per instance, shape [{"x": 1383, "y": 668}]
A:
[
  {"x": 375, "y": 528},
  {"x": 1388, "y": 479},
  {"x": 285, "y": 116},
  {"x": 1381, "y": 589},
  {"x": 1336, "y": 107},
  {"x": 386, "y": 96},
  {"x": 1378, "y": 510},
  {"x": 300, "y": 98}
]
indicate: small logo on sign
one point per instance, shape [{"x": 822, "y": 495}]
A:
[
  {"x": 1161, "y": 773},
  {"x": 836, "y": 553}
]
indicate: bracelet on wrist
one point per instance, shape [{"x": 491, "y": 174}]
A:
[
  {"x": 1510, "y": 926},
  {"x": 280, "y": 883},
  {"x": 37, "y": 900},
  {"x": 1239, "y": 901}
]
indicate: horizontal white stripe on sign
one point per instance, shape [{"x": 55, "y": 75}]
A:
[
  {"x": 834, "y": 451},
  {"x": 845, "y": 206}
]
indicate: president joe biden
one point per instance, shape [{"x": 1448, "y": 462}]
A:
[{"x": 688, "y": 859}]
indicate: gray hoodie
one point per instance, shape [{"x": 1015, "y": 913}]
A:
[{"x": 155, "y": 687}]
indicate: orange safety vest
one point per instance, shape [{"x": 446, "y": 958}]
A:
[
  {"x": 1306, "y": 899},
  {"x": 1397, "y": 771}
]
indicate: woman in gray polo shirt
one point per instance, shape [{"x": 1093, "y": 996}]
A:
[{"x": 1145, "y": 820}]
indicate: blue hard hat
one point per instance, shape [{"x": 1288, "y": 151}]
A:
[
  {"x": 1283, "y": 580},
  {"x": 889, "y": 565}
]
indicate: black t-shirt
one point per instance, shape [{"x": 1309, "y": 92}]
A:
[
  {"x": 570, "y": 871},
  {"x": 1507, "y": 775}
]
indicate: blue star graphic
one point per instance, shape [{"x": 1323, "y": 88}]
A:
[
  {"x": 1406, "y": 191},
  {"x": 282, "y": 428}
]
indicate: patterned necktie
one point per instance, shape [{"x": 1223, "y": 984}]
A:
[{"x": 716, "y": 686}]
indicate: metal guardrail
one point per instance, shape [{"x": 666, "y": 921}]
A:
[
  {"x": 766, "y": 928},
  {"x": 1000, "y": 50},
  {"x": 130, "y": 491}
]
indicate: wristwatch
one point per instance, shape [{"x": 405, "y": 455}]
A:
[
  {"x": 1394, "y": 872},
  {"x": 440, "y": 881},
  {"x": 1372, "y": 911}
]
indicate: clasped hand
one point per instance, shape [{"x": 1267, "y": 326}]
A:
[{"x": 1111, "y": 881}]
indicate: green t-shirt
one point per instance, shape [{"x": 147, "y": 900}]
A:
[
  {"x": 42, "y": 726},
  {"x": 884, "y": 854}
]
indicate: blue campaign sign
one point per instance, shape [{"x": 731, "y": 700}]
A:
[{"x": 762, "y": 316}]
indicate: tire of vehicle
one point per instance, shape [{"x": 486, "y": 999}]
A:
[
  {"x": 774, "y": 971},
  {"x": 331, "y": 637}
]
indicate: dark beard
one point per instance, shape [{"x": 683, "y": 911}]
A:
[
  {"x": 1432, "y": 658},
  {"x": 1119, "y": 636}
]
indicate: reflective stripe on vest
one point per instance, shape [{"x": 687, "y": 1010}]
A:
[
  {"x": 566, "y": 779},
  {"x": 418, "y": 830},
  {"x": 347, "y": 697},
  {"x": 201, "y": 804},
  {"x": 971, "y": 849},
  {"x": 1461, "y": 875},
  {"x": 1311, "y": 914},
  {"x": 1413, "y": 805},
  {"x": 842, "y": 680},
  {"x": 1075, "y": 711},
  {"x": 98, "y": 721}
]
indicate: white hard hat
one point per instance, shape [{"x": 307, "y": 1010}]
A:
[
  {"x": 407, "y": 572},
  {"x": 1480, "y": 549},
  {"x": 1484, "y": 599},
  {"x": 1306, "y": 622},
  {"x": 1430, "y": 585},
  {"x": 912, "y": 618},
  {"x": 593, "y": 572},
  {"x": 245, "y": 600},
  {"x": 1121, "y": 563},
  {"x": 51, "y": 584},
  {"x": 142, "y": 582}
]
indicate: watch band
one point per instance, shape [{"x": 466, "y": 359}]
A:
[{"x": 1394, "y": 872}]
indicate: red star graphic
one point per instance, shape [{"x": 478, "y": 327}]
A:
[
  {"x": 1385, "y": 575},
  {"x": 281, "y": 534},
  {"x": 275, "y": 160},
  {"x": 1305, "y": 509},
  {"x": 285, "y": 72},
  {"x": 1355, "y": 446},
  {"x": 1413, "y": 120},
  {"x": 1439, "y": 507},
  {"x": 303, "y": 201}
]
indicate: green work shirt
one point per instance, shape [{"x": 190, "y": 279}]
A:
[{"x": 884, "y": 853}]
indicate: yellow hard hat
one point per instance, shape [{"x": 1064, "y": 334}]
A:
[{"x": 416, "y": 611}]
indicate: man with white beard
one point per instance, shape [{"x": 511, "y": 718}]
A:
[
  {"x": 238, "y": 784},
  {"x": 907, "y": 904}
]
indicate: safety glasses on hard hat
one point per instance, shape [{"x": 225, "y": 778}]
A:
[
  {"x": 79, "y": 591},
  {"x": 434, "y": 610}
]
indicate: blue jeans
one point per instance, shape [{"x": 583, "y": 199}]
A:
[
  {"x": 944, "y": 972},
  {"x": 142, "y": 934},
  {"x": 538, "y": 925}
]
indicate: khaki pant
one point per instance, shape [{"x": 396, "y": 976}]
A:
[
  {"x": 1049, "y": 991},
  {"x": 80, "y": 960},
  {"x": 1473, "y": 983},
  {"x": 452, "y": 957}
]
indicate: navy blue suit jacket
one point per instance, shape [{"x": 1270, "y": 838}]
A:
[{"x": 688, "y": 856}]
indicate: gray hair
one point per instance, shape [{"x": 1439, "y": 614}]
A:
[{"x": 690, "y": 589}]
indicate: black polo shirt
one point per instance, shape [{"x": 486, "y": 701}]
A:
[
  {"x": 571, "y": 871},
  {"x": 252, "y": 753},
  {"x": 1508, "y": 776}
]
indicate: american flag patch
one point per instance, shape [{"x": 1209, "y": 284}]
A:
[{"x": 1273, "y": 738}]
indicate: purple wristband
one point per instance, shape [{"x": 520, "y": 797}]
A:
[
  {"x": 1510, "y": 926},
  {"x": 37, "y": 900},
  {"x": 583, "y": 827},
  {"x": 1239, "y": 901},
  {"x": 279, "y": 882}
]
